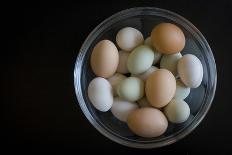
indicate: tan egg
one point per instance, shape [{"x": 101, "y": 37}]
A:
[
  {"x": 122, "y": 65},
  {"x": 104, "y": 59},
  {"x": 167, "y": 38},
  {"x": 147, "y": 122},
  {"x": 160, "y": 88}
]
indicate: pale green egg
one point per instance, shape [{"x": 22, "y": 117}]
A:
[
  {"x": 131, "y": 89},
  {"x": 140, "y": 59}
]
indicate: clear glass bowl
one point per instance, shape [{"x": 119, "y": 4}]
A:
[{"x": 144, "y": 19}]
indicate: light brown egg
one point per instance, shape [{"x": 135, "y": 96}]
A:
[
  {"x": 160, "y": 88},
  {"x": 167, "y": 38},
  {"x": 147, "y": 122},
  {"x": 104, "y": 59}
]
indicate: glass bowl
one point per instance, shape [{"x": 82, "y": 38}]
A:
[{"x": 144, "y": 19}]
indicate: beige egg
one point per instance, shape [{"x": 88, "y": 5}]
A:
[
  {"x": 122, "y": 65},
  {"x": 160, "y": 88},
  {"x": 167, "y": 38},
  {"x": 104, "y": 59},
  {"x": 115, "y": 80},
  {"x": 147, "y": 122}
]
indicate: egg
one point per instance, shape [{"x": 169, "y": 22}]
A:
[
  {"x": 131, "y": 89},
  {"x": 100, "y": 94},
  {"x": 121, "y": 108},
  {"x": 190, "y": 70},
  {"x": 145, "y": 74},
  {"x": 147, "y": 122},
  {"x": 140, "y": 59},
  {"x": 160, "y": 88},
  {"x": 147, "y": 42},
  {"x": 104, "y": 59},
  {"x": 182, "y": 91},
  {"x": 167, "y": 38},
  {"x": 128, "y": 38},
  {"x": 170, "y": 62},
  {"x": 115, "y": 80},
  {"x": 143, "y": 102},
  {"x": 177, "y": 111},
  {"x": 157, "y": 55},
  {"x": 122, "y": 66}
]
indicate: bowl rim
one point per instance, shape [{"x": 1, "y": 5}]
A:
[{"x": 108, "y": 134}]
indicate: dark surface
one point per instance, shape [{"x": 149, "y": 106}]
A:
[{"x": 40, "y": 110}]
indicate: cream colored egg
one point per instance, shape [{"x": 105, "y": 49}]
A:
[
  {"x": 128, "y": 38},
  {"x": 190, "y": 70},
  {"x": 115, "y": 80},
  {"x": 147, "y": 122},
  {"x": 170, "y": 62},
  {"x": 121, "y": 108},
  {"x": 140, "y": 59},
  {"x": 122, "y": 65},
  {"x": 131, "y": 89},
  {"x": 177, "y": 111},
  {"x": 104, "y": 59},
  {"x": 182, "y": 91},
  {"x": 157, "y": 55},
  {"x": 100, "y": 94}
]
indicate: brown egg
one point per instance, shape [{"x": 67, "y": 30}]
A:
[
  {"x": 167, "y": 38},
  {"x": 160, "y": 88},
  {"x": 104, "y": 59},
  {"x": 147, "y": 122}
]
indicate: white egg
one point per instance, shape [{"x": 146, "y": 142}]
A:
[
  {"x": 128, "y": 38},
  {"x": 182, "y": 91},
  {"x": 100, "y": 94},
  {"x": 157, "y": 55},
  {"x": 170, "y": 62},
  {"x": 122, "y": 65},
  {"x": 143, "y": 102},
  {"x": 145, "y": 74},
  {"x": 177, "y": 111},
  {"x": 190, "y": 70},
  {"x": 121, "y": 108}
]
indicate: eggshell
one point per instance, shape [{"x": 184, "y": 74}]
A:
[
  {"x": 104, "y": 59},
  {"x": 115, "y": 80},
  {"x": 143, "y": 102},
  {"x": 160, "y": 88},
  {"x": 121, "y": 108},
  {"x": 122, "y": 66},
  {"x": 147, "y": 122},
  {"x": 177, "y": 111},
  {"x": 182, "y": 91},
  {"x": 100, "y": 94},
  {"x": 131, "y": 89},
  {"x": 145, "y": 74},
  {"x": 190, "y": 70},
  {"x": 128, "y": 38},
  {"x": 157, "y": 55},
  {"x": 167, "y": 38},
  {"x": 170, "y": 62},
  {"x": 147, "y": 42},
  {"x": 140, "y": 59}
]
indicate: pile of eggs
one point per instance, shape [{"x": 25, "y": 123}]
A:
[{"x": 151, "y": 96}]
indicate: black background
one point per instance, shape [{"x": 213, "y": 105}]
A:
[{"x": 40, "y": 110}]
